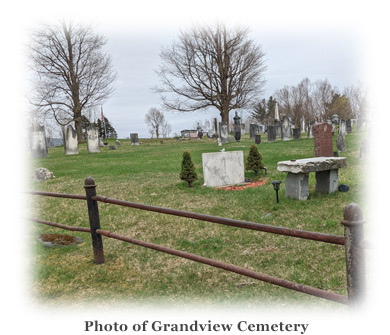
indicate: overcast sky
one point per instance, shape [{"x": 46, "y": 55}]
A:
[
  {"x": 299, "y": 41},
  {"x": 291, "y": 55}
]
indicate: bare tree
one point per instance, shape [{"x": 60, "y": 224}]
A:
[
  {"x": 73, "y": 74},
  {"x": 211, "y": 67},
  {"x": 296, "y": 101},
  {"x": 358, "y": 97},
  {"x": 166, "y": 129},
  {"x": 322, "y": 97},
  {"x": 156, "y": 121}
]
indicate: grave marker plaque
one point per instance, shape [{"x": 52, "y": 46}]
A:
[{"x": 323, "y": 145}]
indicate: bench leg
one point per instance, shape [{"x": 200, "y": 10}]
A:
[
  {"x": 327, "y": 181},
  {"x": 297, "y": 186}
]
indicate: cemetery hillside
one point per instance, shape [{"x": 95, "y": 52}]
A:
[{"x": 152, "y": 173}]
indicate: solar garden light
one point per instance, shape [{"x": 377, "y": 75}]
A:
[{"x": 276, "y": 185}]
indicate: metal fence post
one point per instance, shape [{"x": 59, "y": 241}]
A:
[
  {"x": 354, "y": 235},
  {"x": 94, "y": 220}
]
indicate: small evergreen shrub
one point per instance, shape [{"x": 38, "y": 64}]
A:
[
  {"x": 255, "y": 160},
  {"x": 188, "y": 172}
]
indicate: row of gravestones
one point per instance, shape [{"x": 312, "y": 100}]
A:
[
  {"x": 38, "y": 142},
  {"x": 283, "y": 129}
]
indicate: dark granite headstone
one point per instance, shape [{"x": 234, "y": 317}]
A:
[
  {"x": 237, "y": 128},
  {"x": 134, "y": 139},
  {"x": 271, "y": 135},
  {"x": 349, "y": 125},
  {"x": 252, "y": 130},
  {"x": 297, "y": 133},
  {"x": 215, "y": 128}
]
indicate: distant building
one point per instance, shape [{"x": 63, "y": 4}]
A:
[{"x": 192, "y": 133}]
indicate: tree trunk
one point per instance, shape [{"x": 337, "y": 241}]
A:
[
  {"x": 225, "y": 116},
  {"x": 78, "y": 125}
]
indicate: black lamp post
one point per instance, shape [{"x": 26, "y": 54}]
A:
[{"x": 276, "y": 185}]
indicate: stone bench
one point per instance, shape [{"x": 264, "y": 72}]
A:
[{"x": 297, "y": 180}]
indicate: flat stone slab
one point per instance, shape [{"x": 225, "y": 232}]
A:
[{"x": 314, "y": 164}]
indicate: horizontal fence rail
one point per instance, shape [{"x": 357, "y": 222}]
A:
[
  {"x": 233, "y": 268},
  {"x": 334, "y": 239},
  {"x": 59, "y": 225},
  {"x": 200, "y": 259},
  {"x": 352, "y": 241},
  {"x": 58, "y": 195}
]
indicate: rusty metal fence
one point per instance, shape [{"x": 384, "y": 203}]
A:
[{"x": 353, "y": 241}]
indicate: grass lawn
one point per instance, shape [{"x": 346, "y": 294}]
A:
[{"x": 149, "y": 173}]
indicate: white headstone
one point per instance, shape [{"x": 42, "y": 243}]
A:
[
  {"x": 93, "y": 139},
  {"x": 342, "y": 127},
  {"x": 70, "y": 141},
  {"x": 38, "y": 141},
  {"x": 310, "y": 130},
  {"x": 223, "y": 168},
  {"x": 224, "y": 132},
  {"x": 286, "y": 129},
  {"x": 276, "y": 112}
]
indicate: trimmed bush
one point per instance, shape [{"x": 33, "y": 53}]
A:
[
  {"x": 254, "y": 161},
  {"x": 188, "y": 172}
]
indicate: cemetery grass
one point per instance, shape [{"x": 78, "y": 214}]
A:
[{"x": 149, "y": 174}]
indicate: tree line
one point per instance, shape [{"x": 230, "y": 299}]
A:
[
  {"x": 316, "y": 101},
  {"x": 209, "y": 66}
]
